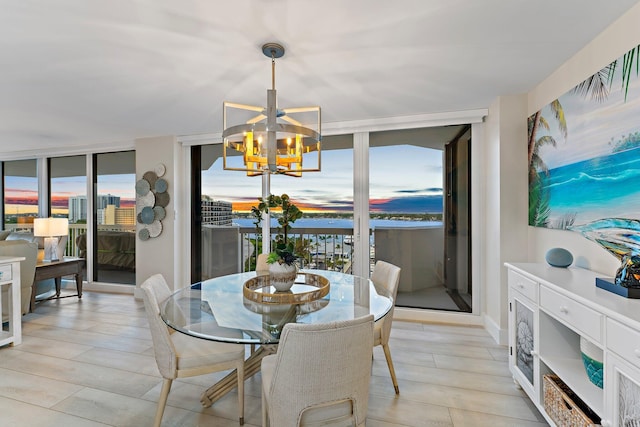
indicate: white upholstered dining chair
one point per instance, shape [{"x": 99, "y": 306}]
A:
[
  {"x": 320, "y": 375},
  {"x": 180, "y": 355},
  {"x": 387, "y": 277},
  {"x": 261, "y": 264}
]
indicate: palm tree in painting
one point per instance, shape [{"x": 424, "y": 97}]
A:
[
  {"x": 597, "y": 86},
  {"x": 535, "y": 122},
  {"x": 629, "y": 59},
  {"x": 538, "y": 198}
]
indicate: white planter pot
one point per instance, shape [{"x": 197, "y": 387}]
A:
[{"x": 282, "y": 276}]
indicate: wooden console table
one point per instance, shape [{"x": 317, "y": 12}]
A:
[{"x": 68, "y": 266}]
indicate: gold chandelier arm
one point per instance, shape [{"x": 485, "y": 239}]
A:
[
  {"x": 243, "y": 106},
  {"x": 300, "y": 110},
  {"x": 290, "y": 120},
  {"x": 256, "y": 119}
]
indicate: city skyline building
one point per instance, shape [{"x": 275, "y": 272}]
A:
[
  {"x": 118, "y": 216},
  {"x": 216, "y": 212},
  {"x": 78, "y": 207}
]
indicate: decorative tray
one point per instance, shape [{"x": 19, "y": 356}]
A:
[{"x": 307, "y": 287}]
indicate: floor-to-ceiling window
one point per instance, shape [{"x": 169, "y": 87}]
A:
[
  {"x": 20, "y": 194},
  {"x": 115, "y": 217},
  {"x": 68, "y": 189},
  {"x": 419, "y": 213},
  {"x": 224, "y": 237}
]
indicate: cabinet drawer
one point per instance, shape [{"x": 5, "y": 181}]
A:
[
  {"x": 524, "y": 285},
  {"x": 5, "y": 272},
  {"x": 624, "y": 341},
  {"x": 582, "y": 319}
]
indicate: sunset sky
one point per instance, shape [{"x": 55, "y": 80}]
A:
[{"x": 402, "y": 179}]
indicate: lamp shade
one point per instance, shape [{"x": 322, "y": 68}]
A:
[{"x": 49, "y": 227}]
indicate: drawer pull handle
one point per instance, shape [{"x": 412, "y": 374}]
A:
[
  {"x": 534, "y": 353},
  {"x": 637, "y": 352},
  {"x": 564, "y": 309}
]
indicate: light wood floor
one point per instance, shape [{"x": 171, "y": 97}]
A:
[{"x": 90, "y": 363}]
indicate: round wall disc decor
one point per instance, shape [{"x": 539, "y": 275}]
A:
[
  {"x": 143, "y": 234},
  {"x": 159, "y": 212},
  {"x": 161, "y": 186},
  {"x": 152, "y": 198},
  {"x": 142, "y": 187},
  {"x": 147, "y": 215},
  {"x": 151, "y": 177},
  {"x": 160, "y": 169}
]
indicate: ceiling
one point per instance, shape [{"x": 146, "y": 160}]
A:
[{"x": 79, "y": 73}]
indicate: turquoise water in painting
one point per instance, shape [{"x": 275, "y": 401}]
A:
[{"x": 602, "y": 187}]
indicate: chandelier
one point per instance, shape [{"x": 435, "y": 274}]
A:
[{"x": 271, "y": 140}]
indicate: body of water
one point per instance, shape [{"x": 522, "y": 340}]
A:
[
  {"x": 602, "y": 187},
  {"x": 341, "y": 223}
]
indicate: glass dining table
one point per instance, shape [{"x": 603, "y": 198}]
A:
[{"x": 218, "y": 309}]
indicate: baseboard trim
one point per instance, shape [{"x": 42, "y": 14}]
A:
[
  {"x": 500, "y": 336},
  {"x": 434, "y": 316}
]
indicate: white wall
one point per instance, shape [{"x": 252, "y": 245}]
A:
[
  {"x": 505, "y": 193},
  {"x": 612, "y": 43},
  {"x": 158, "y": 255}
]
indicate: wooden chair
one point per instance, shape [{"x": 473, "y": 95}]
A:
[
  {"x": 179, "y": 355},
  {"x": 320, "y": 375}
]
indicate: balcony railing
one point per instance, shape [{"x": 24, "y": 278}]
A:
[{"x": 319, "y": 248}]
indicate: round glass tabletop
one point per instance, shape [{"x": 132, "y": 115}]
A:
[{"x": 216, "y": 309}]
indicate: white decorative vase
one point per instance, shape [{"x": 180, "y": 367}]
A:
[{"x": 282, "y": 276}]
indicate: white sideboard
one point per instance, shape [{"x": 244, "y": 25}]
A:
[
  {"x": 550, "y": 308},
  {"x": 10, "y": 280}
]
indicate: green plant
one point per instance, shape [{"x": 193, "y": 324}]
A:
[{"x": 283, "y": 249}]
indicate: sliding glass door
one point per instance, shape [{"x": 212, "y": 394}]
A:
[{"x": 419, "y": 213}]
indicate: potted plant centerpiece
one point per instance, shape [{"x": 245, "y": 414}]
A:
[{"x": 281, "y": 259}]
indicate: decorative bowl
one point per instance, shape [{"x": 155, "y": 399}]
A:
[{"x": 592, "y": 361}]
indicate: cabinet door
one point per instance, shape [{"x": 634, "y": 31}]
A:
[
  {"x": 623, "y": 392},
  {"x": 523, "y": 343}
]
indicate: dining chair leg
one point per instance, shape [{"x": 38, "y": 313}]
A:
[
  {"x": 265, "y": 418},
  {"x": 162, "y": 401},
  {"x": 387, "y": 355},
  {"x": 240, "y": 373}
]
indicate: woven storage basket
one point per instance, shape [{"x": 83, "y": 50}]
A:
[{"x": 564, "y": 407}]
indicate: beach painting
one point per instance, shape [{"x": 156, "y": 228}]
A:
[{"x": 584, "y": 151}]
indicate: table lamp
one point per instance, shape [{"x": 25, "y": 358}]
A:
[{"x": 51, "y": 229}]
